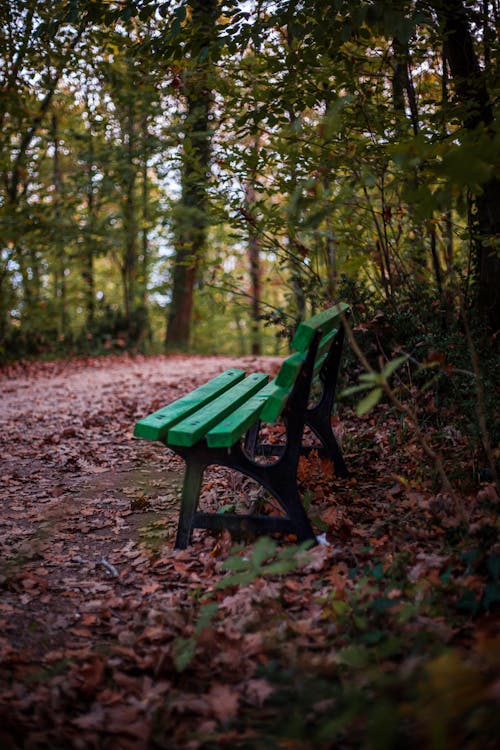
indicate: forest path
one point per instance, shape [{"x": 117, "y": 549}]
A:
[
  {"x": 69, "y": 459},
  {"x": 103, "y": 640}
]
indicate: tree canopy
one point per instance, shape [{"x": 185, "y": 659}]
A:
[{"x": 241, "y": 162}]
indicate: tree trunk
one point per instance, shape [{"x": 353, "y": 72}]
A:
[
  {"x": 129, "y": 267},
  {"x": 436, "y": 262},
  {"x": 402, "y": 82},
  {"x": 60, "y": 270},
  {"x": 88, "y": 253},
  {"x": 144, "y": 259},
  {"x": 191, "y": 215},
  {"x": 470, "y": 86},
  {"x": 254, "y": 261},
  {"x": 295, "y": 263}
]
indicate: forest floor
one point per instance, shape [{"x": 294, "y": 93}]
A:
[{"x": 385, "y": 636}]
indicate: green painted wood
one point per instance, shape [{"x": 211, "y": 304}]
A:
[
  {"x": 291, "y": 366},
  {"x": 325, "y": 344},
  {"x": 189, "y": 431},
  {"x": 156, "y": 425},
  {"x": 226, "y": 428},
  {"x": 230, "y": 430},
  {"x": 324, "y": 321},
  {"x": 275, "y": 403},
  {"x": 320, "y": 361},
  {"x": 290, "y": 369}
]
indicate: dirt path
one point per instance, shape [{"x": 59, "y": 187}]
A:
[
  {"x": 105, "y": 641},
  {"x": 68, "y": 452}
]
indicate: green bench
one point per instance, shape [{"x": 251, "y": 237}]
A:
[{"x": 219, "y": 423}]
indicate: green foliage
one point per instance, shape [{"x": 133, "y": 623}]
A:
[
  {"x": 387, "y": 680},
  {"x": 246, "y": 569},
  {"x": 183, "y": 649},
  {"x": 374, "y": 382},
  {"x": 264, "y": 561}
]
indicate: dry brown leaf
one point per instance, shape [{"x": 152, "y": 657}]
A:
[{"x": 223, "y": 701}]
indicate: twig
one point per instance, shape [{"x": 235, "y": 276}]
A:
[
  {"x": 110, "y": 568},
  {"x": 105, "y": 564}
]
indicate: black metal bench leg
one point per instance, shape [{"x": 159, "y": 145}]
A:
[
  {"x": 295, "y": 511},
  {"x": 318, "y": 418},
  {"x": 251, "y": 439},
  {"x": 321, "y": 426},
  {"x": 189, "y": 501}
]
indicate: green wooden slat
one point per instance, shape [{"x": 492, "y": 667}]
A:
[
  {"x": 275, "y": 403},
  {"x": 291, "y": 366},
  {"x": 229, "y": 430},
  {"x": 323, "y": 321},
  {"x": 325, "y": 344},
  {"x": 192, "y": 429},
  {"x": 268, "y": 405},
  {"x": 279, "y": 393},
  {"x": 156, "y": 425},
  {"x": 319, "y": 364},
  {"x": 290, "y": 369}
]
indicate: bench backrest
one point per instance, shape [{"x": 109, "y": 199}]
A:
[
  {"x": 279, "y": 389},
  {"x": 225, "y": 407}
]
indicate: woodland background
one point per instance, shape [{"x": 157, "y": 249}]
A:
[
  {"x": 231, "y": 166},
  {"x": 183, "y": 179}
]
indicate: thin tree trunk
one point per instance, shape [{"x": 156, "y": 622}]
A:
[
  {"x": 129, "y": 266},
  {"x": 254, "y": 261},
  {"x": 488, "y": 37},
  {"x": 402, "y": 82},
  {"x": 294, "y": 119},
  {"x": 470, "y": 87},
  {"x": 448, "y": 215},
  {"x": 191, "y": 219},
  {"x": 60, "y": 273},
  {"x": 145, "y": 217},
  {"x": 438, "y": 273},
  {"x": 88, "y": 254}
]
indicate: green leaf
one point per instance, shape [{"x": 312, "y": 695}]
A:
[
  {"x": 238, "y": 579},
  {"x": 183, "y": 652},
  {"x": 381, "y": 603},
  {"x": 228, "y": 508},
  {"x": 263, "y": 549},
  {"x": 393, "y": 365},
  {"x": 339, "y": 607},
  {"x": 468, "y": 602},
  {"x": 353, "y": 656},
  {"x": 205, "y": 616},
  {"x": 203, "y": 54},
  {"x": 491, "y": 595},
  {"x": 280, "y": 567},
  {"x": 235, "y": 563},
  {"x": 354, "y": 389},
  {"x": 369, "y": 401},
  {"x": 493, "y": 565},
  {"x": 373, "y": 636}
]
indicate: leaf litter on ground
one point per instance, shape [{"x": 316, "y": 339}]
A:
[{"x": 110, "y": 638}]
